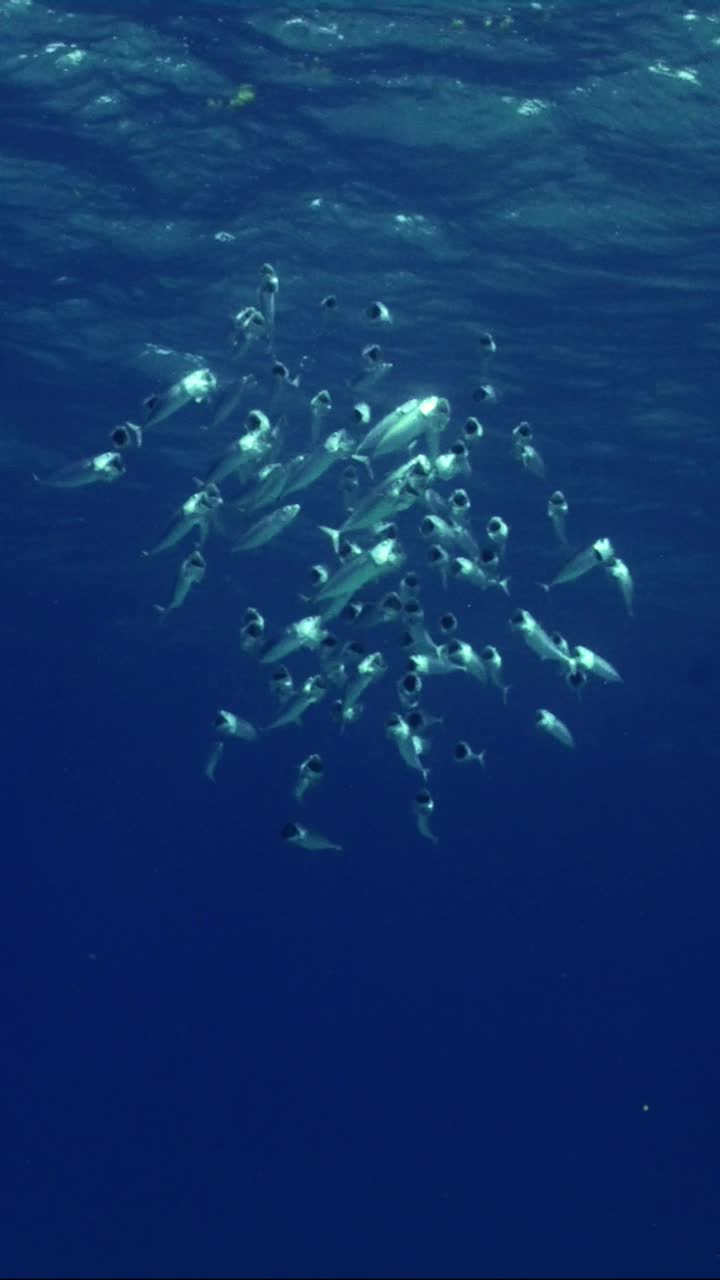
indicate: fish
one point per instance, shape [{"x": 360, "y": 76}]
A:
[
  {"x": 549, "y": 723},
  {"x": 600, "y": 552},
  {"x": 557, "y": 509},
  {"x": 247, "y": 326},
  {"x": 620, "y": 574},
  {"x": 493, "y": 663},
  {"x": 310, "y": 773},
  {"x": 595, "y": 665},
  {"x": 313, "y": 690},
  {"x": 296, "y": 833},
  {"x": 229, "y": 725},
  {"x": 267, "y": 298},
  {"x": 362, "y": 569},
  {"x": 246, "y": 453},
  {"x": 464, "y": 754},
  {"x": 102, "y": 468},
  {"x": 267, "y": 528},
  {"x": 462, "y": 655},
  {"x": 197, "y": 385},
  {"x": 338, "y": 445},
  {"x": 409, "y": 744},
  {"x": 537, "y": 638},
  {"x": 195, "y": 513},
  {"x": 307, "y": 633},
  {"x": 191, "y": 572},
  {"x": 424, "y": 806},
  {"x": 320, "y": 407},
  {"x": 369, "y": 670},
  {"x": 229, "y": 398}
]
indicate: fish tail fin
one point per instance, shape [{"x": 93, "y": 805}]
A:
[{"x": 333, "y": 535}]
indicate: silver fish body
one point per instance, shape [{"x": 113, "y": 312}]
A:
[{"x": 267, "y": 528}]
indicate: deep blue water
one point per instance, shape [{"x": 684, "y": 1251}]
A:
[{"x": 225, "y": 1056}]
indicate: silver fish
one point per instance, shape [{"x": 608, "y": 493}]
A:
[
  {"x": 191, "y": 572},
  {"x": 103, "y": 468},
  {"x": 267, "y": 528},
  {"x": 197, "y": 385}
]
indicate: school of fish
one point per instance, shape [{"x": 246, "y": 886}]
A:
[{"x": 389, "y": 469}]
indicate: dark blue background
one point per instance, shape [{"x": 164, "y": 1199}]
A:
[{"x": 494, "y": 1057}]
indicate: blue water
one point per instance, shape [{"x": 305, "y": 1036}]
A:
[{"x": 222, "y": 1055}]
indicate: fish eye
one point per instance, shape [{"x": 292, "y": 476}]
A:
[
  {"x": 523, "y": 430},
  {"x": 411, "y": 581},
  {"x": 436, "y": 554},
  {"x": 518, "y": 618},
  {"x": 290, "y": 831},
  {"x": 220, "y": 720},
  {"x": 557, "y": 498},
  {"x": 120, "y": 437},
  {"x": 461, "y": 751},
  {"x": 314, "y": 764},
  {"x": 423, "y": 799},
  {"x": 280, "y": 370},
  {"x": 459, "y": 498},
  {"x": 494, "y": 525},
  {"x": 329, "y": 641},
  {"x": 428, "y": 525},
  {"x": 412, "y": 608},
  {"x": 481, "y": 393},
  {"x": 448, "y": 622},
  {"x": 373, "y": 353},
  {"x": 329, "y": 303},
  {"x": 411, "y": 682},
  {"x": 488, "y": 555},
  {"x": 253, "y": 629},
  {"x": 488, "y": 653},
  {"x": 487, "y": 341},
  {"x": 415, "y": 719},
  {"x": 459, "y": 449}
]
